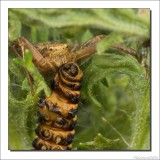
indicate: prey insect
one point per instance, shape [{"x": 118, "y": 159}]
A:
[{"x": 57, "y": 113}]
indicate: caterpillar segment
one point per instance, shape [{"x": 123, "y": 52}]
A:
[{"x": 57, "y": 113}]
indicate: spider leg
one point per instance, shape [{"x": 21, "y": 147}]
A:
[
  {"x": 35, "y": 53},
  {"x": 19, "y": 49},
  {"x": 121, "y": 48},
  {"x": 87, "y": 49}
]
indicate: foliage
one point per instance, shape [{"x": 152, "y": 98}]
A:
[{"x": 114, "y": 112}]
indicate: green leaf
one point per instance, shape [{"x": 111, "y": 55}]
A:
[
  {"x": 108, "y": 41},
  {"x": 25, "y": 85},
  {"x": 141, "y": 125},
  {"x": 99, "y": 143}
]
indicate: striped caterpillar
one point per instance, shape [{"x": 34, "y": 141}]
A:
[{"x": 57, "y": 113}]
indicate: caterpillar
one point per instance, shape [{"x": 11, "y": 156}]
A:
[{"x": 57, "y": 113}]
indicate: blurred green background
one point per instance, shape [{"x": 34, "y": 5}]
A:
[{"x": 114, "y": 111}]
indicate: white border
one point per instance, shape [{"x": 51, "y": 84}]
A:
[{"x": 5, "y": 153}]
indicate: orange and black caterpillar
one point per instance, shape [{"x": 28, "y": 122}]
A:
[{"x": 57, "y": 113}]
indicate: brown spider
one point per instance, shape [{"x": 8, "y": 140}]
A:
[{"x": 49, "y": 56}]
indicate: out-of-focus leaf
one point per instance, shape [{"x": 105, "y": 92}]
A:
[
  {"x": 111, "y": 19},
  {"x": 86, "y": 36},
  {"x": 14, "y": 26}
]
